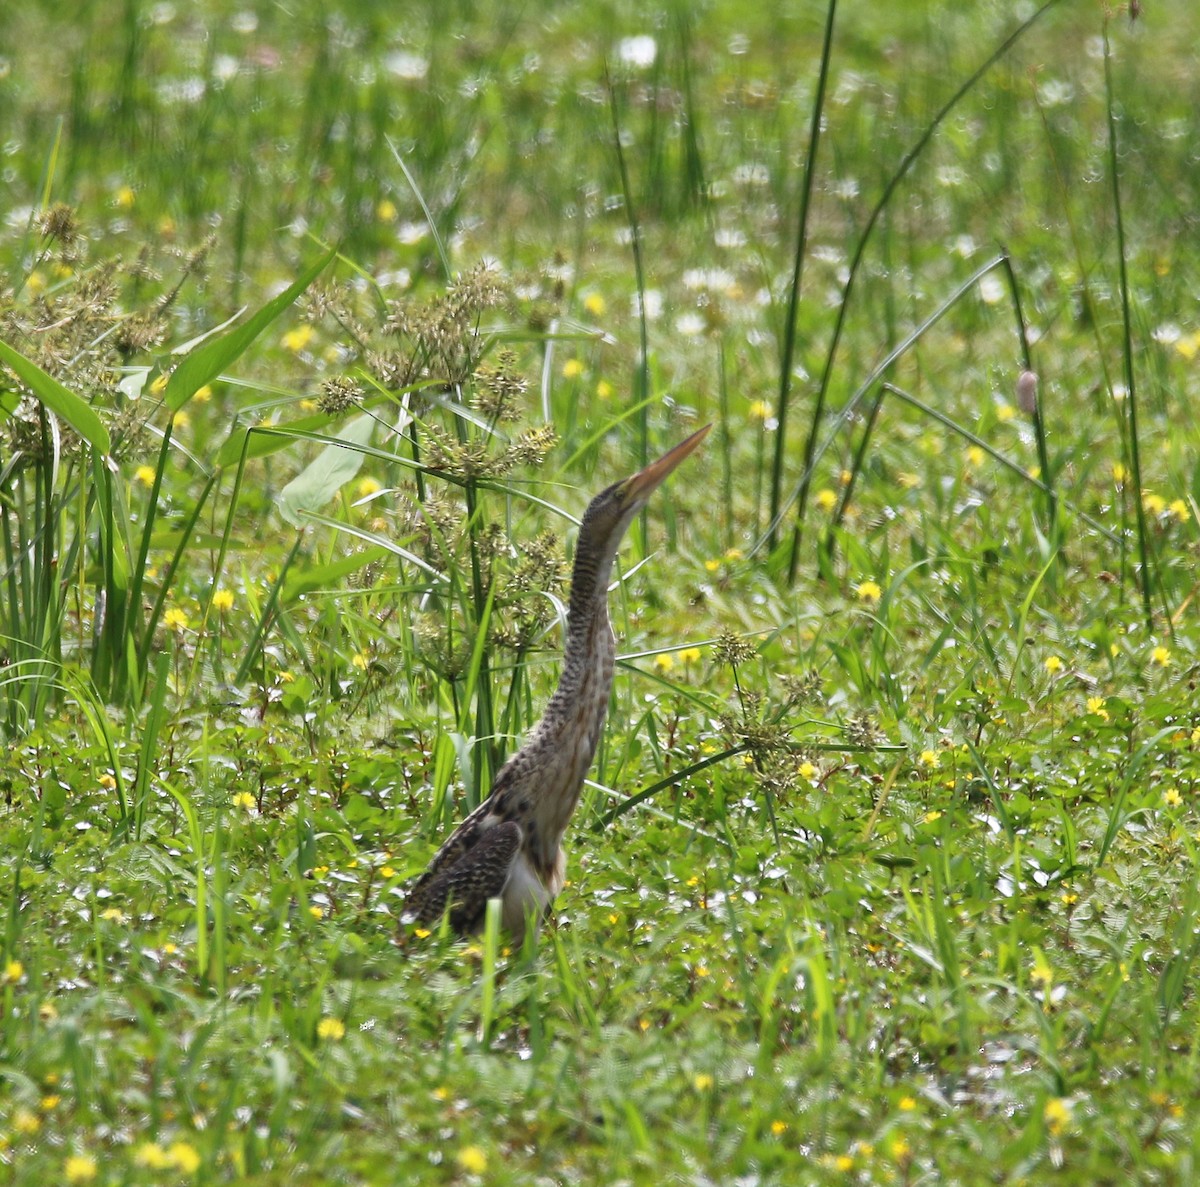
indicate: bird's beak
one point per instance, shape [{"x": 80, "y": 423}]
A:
[{"x": 639, "y": 487}]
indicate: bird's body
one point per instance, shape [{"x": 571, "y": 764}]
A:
[{"x": 510, "y": 847}]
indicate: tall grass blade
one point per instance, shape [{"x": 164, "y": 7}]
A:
[
  {"x": 1130, "y": 402},
  {"x": 491, "y": 950},
  {"x": 65, "y": 404},
  {"x": 789, "y": 330},
  {"x": 146, "y": 757},
  {"x": 893, "y": 184},
  {"x": 641, "y": 376}
]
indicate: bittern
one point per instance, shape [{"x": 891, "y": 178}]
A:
[{"x": 510, "y": 847}]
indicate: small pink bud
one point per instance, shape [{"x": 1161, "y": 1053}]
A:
[{"x": 1027, "y": 399}]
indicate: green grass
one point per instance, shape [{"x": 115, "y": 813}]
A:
[{"x": 888, "y": 868}]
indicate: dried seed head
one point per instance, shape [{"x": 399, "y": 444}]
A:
[
  {"x": 862, "y": 731},
  {"x": 499, "y": 388},
  {"x": 532, "y": 446},
  {"x": 59, "y": 223},
  {"x": 337, "y": 394},
  {"x": 733, "y": 650}
]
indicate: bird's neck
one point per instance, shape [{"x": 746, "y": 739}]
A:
[
  {"x": 574, "y": 719},
  {"x": 588, "y": 655}
]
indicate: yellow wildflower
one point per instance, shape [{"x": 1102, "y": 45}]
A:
[
  {"x": 1161, "y": 656},
  {"x": 1179, "y": 509},
  {"x": 664, "y": 662},
  {"x": 826, "y": 499},
  {"x": 806, "y": 770},
  {"x": 184, "y": 1156},
  {"x": 296, "y": 340},
  {"x": 472, "y": 1160},
  {"x": 332, "y": 1029},
  {"x": 975, "y": 456},
  {"x": 386, "y": 211},
  {"x": 203, "y": 394},
  {"x": 930, "y": 759},
  {"x": 1188, "y": 345},
  {"x": 14, "y": 970},
  {"x": 244, "y": 800},
  {"x": 1119, "y": 473},
  {"x": 175, "y": 619},
  {"x": 1053, "y": 664},
  {"x": 79, "y": 1168},
  {"x": 152, "y": 1156},
  {"x": 1172, "y": 798},
  {"x": 572, "y": 369},
  {"x": 1056, "y": 1115},
  {"x": 144, "y": 475},
  {"x": 368, "y": 487},
  {"x": 869, "y": 591},
  {"x": 222, "y": 600},
  {"x": 604, "y": 390},
  {"x": 316, "y": 912},
  {"x": 593, "y": 303},
  {"x": 689, "y": 655},
  {"x": 124, "y": 197},
  {"x": 703, "y": 1082},
  {"x": 759, "y": 410}
]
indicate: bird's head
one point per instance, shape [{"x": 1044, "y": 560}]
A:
[{"x": 613, "y": 509}]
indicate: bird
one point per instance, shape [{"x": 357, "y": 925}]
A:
[{"x": 511, "y": 846}]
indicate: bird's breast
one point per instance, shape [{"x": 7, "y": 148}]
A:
[{"x": 530, "y": 891}]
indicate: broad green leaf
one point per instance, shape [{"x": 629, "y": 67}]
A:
[
  {"x": 205, "y": 363},
  {"x": 333, "y": 467},
  {"x": 325, "y": 576},
  {"x": 66, "y": 405},
  {"x": 262, "y": 443}
]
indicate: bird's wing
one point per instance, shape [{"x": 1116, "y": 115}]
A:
[{"x": 467, "y": 878}]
